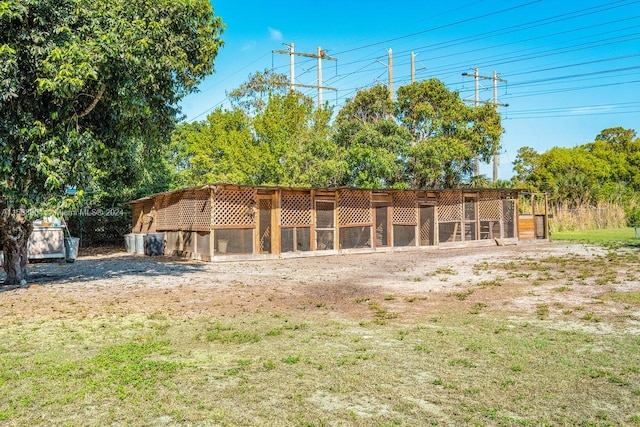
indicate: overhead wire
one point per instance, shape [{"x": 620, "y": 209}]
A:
[{"x": 370, "y": 65}]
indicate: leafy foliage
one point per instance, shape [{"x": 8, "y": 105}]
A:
[
  {"x": 428, "y": 138},
  {"x": 447, "y": 134},
  {"x": 89, "y": 84},
  {"x": 285, "y": 143},
  {"x": 605, "y": 170},
  {"x": 89, "y": 90},
  {"x": 376, "y": 147},
  {"x": 633, "y": 217}
]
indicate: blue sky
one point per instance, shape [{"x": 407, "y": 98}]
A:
[{"x": 572, "y": 68}]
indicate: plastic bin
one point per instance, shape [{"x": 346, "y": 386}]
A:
[
  {"x": 154, "y": 244},
  {"x": 130, "y": 243},
  {"x": 71, "y": 245},
  {"x": 139, "y": 244}
]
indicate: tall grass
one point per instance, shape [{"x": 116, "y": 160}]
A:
[{"x": 600, "y": 216}]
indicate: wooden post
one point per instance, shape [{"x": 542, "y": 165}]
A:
[
  {"x": 275, "y": 222},
  {"x": 312, "y": 231},
  {"x": 212, "y": 236},
  {"x": 546, "y": 216},
  {"x": 336, "y": 217},
  {"x": 533, "y": 214}
]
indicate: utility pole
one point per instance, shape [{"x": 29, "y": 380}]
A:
[
  {"x": 320, "y": 55},
  {"x": 476, "y": 103},
  {"x": 389, "y": 65},
  {"x": 292, "y": 68},
  {"x": 495, "y": 103},
  {"x": 390, "y": 74},
  {"x": 413, "y": 67}
]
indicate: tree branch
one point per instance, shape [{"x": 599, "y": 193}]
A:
[{"x": 94, "y": 102}]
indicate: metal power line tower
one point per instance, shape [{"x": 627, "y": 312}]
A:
[
  {"x": 320, "y": 55},
  {"x": 495, "y": 103}
]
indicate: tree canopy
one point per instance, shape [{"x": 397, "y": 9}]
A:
[
  {"x": 89, "y": 86},
  {"x": 270, "y": 136},
  {"x": 605, "y": 170},
  {"x": 428, "y": 138},
  {"x": 447, "y": 134}
]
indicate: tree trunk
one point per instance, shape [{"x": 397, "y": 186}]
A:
[{"x": 14, "y": 234}]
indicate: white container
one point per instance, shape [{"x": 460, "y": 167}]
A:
[
  {"x": 139, "y": 244},
  {"x": 130, "y": 243}
]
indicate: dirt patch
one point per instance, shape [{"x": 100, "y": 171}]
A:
[
  {"x": 537, "y": 334},
  {"x": 402, "y": 285}
]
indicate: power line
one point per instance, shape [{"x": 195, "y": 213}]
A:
[
  {"x": 440, "y": 27},
  {"x": 591, "y": 41}
]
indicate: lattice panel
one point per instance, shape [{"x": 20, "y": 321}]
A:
[
  {"x": 196, "y": 210},
  {"x": 490, "y": 210},
  {"x": 489, "y": 195},
  {"x": 296, "y": 209},
  {"x": 168, "y": 216},
  {"x": 234, "y": 207},
  {"x": 202, "y": 220},
  {"x": 404, "y": 208},
  {"x": 450, "y": 206},
  {"x": 425, "y": 231},
  {"x": 354, "y": 207},
  {"x": 187, "y": 210}
]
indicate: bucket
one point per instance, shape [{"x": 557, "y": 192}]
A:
[
  {"x": 138, "y": 244},
  {"x": 130, "y": 243},
  {"x": 154, "y": 244},
  {"x": 222, "y": 245},
  {"x": 71, "y": 245}
]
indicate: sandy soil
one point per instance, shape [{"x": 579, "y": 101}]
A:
[{"x": 410, "y": 284}]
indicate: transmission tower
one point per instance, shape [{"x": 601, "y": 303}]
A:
[
  {"x": 319, "y": 55},
  {"x": 495, "y": 103}
]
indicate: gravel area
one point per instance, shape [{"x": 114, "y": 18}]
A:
[{"x": 413, "y": 283}]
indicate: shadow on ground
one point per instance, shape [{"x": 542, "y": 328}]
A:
[{"x": 104, "y": 267}]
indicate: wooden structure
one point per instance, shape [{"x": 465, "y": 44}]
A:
[{"x": 222, "y": 221}]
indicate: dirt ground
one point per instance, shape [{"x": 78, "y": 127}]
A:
[{"x": 409, "y": 284}]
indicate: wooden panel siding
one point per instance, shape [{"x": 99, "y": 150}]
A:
[
  {"x": 219, "y": 221},
  {"x": 526, "y": 227}
]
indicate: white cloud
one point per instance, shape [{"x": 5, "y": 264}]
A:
[
  {"x": 249, "y": 46},
  {"x": 275, "y": 34},
  {"x": 592, "y": 110}
]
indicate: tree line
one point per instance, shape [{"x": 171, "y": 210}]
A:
[
  {"x": 426, "y": 138},
  {"x": 604, "y": 172}
]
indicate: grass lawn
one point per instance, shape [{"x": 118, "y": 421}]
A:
[
  {"x": 278, "y": 370},
  {"x": 567, "y": 354},
  {"x": 611, "y": 236}
]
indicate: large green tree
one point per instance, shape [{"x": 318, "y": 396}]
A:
[
  {"x": 85, "y": 82},
  {"x": 271, "y": 136},
  {"x": 621, "y": 148},
  {"x": 218, "y": 149},
  {"x": 374, "y": 144},
  {"x": 447, "y": 134}
]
